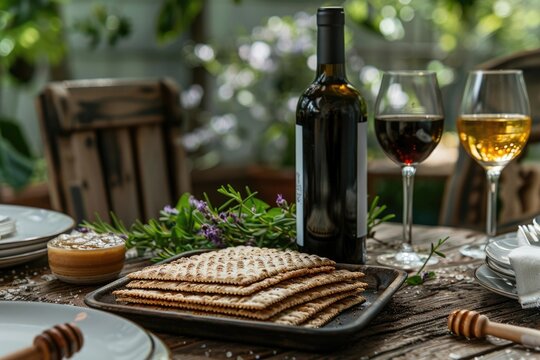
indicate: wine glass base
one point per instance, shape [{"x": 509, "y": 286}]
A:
[
  {"x": 474, "y": 251},
  {"x": 405, "y": 260}
]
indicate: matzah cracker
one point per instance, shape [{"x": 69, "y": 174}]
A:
[
  {"x": 331, "y": 312},
  {"x": 261, "y": 314},
  {"x": 301, "y": 313},
  {"x": 241, "y": 265},
  {"x": 257, "y": 301},
  {"x": 224, "y": 288},
  {"x": 293, "y": 316}
]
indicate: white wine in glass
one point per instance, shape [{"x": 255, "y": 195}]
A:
[{"x": 493, "y": 127}]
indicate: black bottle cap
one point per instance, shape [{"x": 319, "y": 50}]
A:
[
  {"x": 330, "y": 43},
  {"x": 331, "y": 16}
]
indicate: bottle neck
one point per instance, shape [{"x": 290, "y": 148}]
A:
[
  {"x": 330, "y": 51},
  {"x": 333, "y": 71}
]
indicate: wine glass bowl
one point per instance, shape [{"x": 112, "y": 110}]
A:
[
  {"x": 494, "y": 125},
  {"x": 409, "y": 123}
]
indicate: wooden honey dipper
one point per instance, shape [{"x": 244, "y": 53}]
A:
[
  {"x": 56, "y": 343},
  {"x": 474, "y": 325}
]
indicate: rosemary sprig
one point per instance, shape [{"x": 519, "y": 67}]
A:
[
  {"x": 373, "y": 216},
  {"x": 422, "y": 276},
  {"x": 196, "y": 224}
]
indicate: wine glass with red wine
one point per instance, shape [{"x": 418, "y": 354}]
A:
[{"x": 409, "y": 122}]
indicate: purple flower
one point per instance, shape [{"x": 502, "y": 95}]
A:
[
  {"x": 213, "y": 234},
  {"x": 281, "y": 202},
  {"x": 170, "y": 210},
  {"x": 83, "y": 229},
  {"x": 201, "y": 206}
]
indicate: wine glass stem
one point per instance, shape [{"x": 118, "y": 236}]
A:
[
  {"x": 493, "y": 186},
  {"x": 407, "y": 173}
]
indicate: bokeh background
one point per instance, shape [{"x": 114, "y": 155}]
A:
[{"x": 241, "y": 65}]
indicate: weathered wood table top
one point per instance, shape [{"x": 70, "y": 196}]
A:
[{"x": 411, "y": 326}]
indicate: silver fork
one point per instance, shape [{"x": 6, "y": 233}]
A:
[
  {"x": 531, "y": 238},
  {"x": 534, "y": 234}
]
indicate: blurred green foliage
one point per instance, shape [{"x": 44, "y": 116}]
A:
[
  {"x": 491, "y": 27},
  {"x": 103, "y": 23}
]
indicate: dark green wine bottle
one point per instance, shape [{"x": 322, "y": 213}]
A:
[{"x": 331, "y": 153}]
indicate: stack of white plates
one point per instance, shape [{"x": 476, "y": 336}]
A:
[
  {"x": 497, "y": 274},
  {"x": 33, "y": 227}
]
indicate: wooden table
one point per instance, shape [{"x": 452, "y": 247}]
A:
[{"x": 412, "y": 325}]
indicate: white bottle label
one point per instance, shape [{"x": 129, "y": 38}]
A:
[
  {"x": 361, "y": 178},
  {"x": 299, "y": 186}
]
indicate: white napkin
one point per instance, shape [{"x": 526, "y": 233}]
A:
[{"x": 525, "y": 261}]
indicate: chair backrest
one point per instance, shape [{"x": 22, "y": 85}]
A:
[
  {"x": 465, "y": 197},
  {"x": 113, "y": 145}
]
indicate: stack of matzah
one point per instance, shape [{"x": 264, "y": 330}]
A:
[{"x": 281, "y": 286}]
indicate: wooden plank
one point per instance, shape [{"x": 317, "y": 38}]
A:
[
  {"x": 152, "y": 170},
  {"x": 66, "y": 174},
  {"x": 101, "y": 104},
  {"x": 178, "y": 160},
  {"x": 180, "y": 168},
  {"x": 120, "y": 175},
  {"x": 50, "y": 151},
  {"x": 88, "y": 172}
]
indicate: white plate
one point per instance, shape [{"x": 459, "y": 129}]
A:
[
  {"x": 161, "y": 351},
  {"x": 33, "y": 225},
  {"x": 499, "y": 248},
  {"x": 495, "y": 283},
  {"x": 500, "y": 270},
  {"x": 106, "y": 336},
  {"x": 22, "y": 258},
  {"x": 22, "y": 249}
]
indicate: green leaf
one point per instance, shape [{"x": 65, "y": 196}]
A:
[
  {"x": 440, "y": 254},
  {"x": 175, "y": 16},
  {"x": 15, "y": 169},
  {"x": 12, "y": 132},
  {"x": 414, "y": 280}
]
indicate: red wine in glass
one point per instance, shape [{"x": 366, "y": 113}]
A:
[{"x": 408, "y": 139}]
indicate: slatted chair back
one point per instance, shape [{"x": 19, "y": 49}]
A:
[
  {"x": 113, "y": 145},
  {"x": 465, "y": 197}
]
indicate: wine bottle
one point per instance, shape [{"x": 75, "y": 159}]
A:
[{"x": 331, "y": 153}]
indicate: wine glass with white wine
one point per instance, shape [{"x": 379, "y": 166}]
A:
[{"x": 494, "y": 126}]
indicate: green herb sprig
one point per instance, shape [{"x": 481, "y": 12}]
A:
[
  {"x": 196, "y": 224},
  {"x": 422, "y": 276},
  {"x": 374, "y": 213}
]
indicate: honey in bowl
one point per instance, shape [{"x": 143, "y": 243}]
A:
[{"x": 86, "y": 258}]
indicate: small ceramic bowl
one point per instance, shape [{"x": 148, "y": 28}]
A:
[{"x": 86, "y": 258}]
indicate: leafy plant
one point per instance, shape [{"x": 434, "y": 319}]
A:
[
  {"x": 196, "y": 224},
  {"x": 16, "y": 162},
  {"x": 374, "y": 213},
  {"x": 102, "y": 23},
  {"x": 421, "y": 276}
]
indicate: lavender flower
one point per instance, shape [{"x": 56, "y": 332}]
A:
[
  {"x": 281, "y": 202},
  {"x": 201, "y": 206},
  {"x": 212, "y": 234},
  {"x": 170, "y": 210}
]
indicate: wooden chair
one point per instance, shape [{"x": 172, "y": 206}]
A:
[
  {"x": 113, "y": 145},
  {"x": 464, "y": 202}
]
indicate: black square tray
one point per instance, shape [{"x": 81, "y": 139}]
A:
[{"x": 382, "y": 282}]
